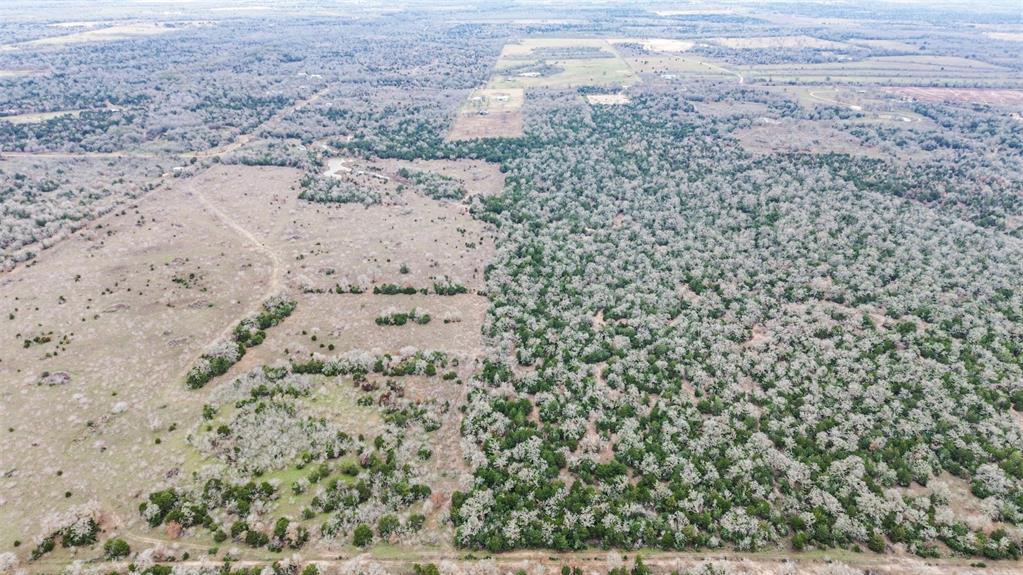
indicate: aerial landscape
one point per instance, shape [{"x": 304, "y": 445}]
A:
[{"x": 511, "y": 287}]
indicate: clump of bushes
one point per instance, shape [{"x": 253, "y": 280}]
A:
[
  {"x": 432, "y": 185},
  {"x": 449, "y": 288},
  {"x": 332, "y": 190},
  {"x": 116, "y": 548},
  {"x": 401, "y": 318},
  {"x": 394, "y": 289},
  {"x": 250, "y": 332}
]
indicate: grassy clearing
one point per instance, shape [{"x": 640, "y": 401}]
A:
[
  {"x": 38, "y": 117},
  {"x": 489, "y": 113},
  {"x": 524, "y": 64},
  {"x": 893, "y": 70},
  {"x": 107, "y": 34},
  {"x": 679, "y": 67},
  {"x": 1006, "y": 36},
  {"x": 893, "y": 45}
]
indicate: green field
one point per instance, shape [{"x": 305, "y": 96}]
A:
[{"x": 517, "y": 60}]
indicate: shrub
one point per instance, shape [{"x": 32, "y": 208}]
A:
[
  {"x": 362, "y": 536},
  {"x": 116, "y": 548}
]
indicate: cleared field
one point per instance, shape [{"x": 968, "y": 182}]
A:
[
  {"x": 489, "y": 113},
  {"x": 772, "y": 42},
  {"x": 555, "y": 63},
  {"x": 112, "y": 33},
  {"x": 683, "y": 67},
  {"x": 1007, "y": 36},
  {"x": 15, "y": 73},
  {"x": 897, "y": 70},
  {"x": 607, "y": 99},
  {"x": 961, "y": 95},
  {"x": 38, "y": 117},
  {"x": 879, "y": 44},
  {"x": 96, "y": 33},
  {"x": 692, "y": 12}
]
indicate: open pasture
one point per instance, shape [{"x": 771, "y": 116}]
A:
[
  {"x": 1006, "y": 36},
  {"x": 108, "y": 34},
  {"x": 38, "y": 117},
  {"x": 890, "y": 70},
  {"x": 115, "y": 315},
  {"x": 867, "y": 103},
  {"x": 684, "y": 68},
  {"x": 489, "y": 113},
  {"x": 559, "y": 63}
]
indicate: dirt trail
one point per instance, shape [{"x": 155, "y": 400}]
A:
[
  {"x": 276, "y": 282},
  {"x": 742, "y": 79},
  {"x": 761, "y": 563}
]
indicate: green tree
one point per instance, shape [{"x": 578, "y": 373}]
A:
[{"x": 363, "y": 536}]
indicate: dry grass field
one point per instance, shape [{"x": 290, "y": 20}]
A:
[
  {"x": 682, "y": 68},
  {"x": 489, "y": 113},
  {"x": 96, "y": 408},
  {"x": 38, "y": 117},
  {"x": 119, "y": 310},
  {"x": 110, "y": 33},
  {"x": 476, "y": 176},
  {"x": 1007, "y": 36},
  {"x": 893, "y": 45}
]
